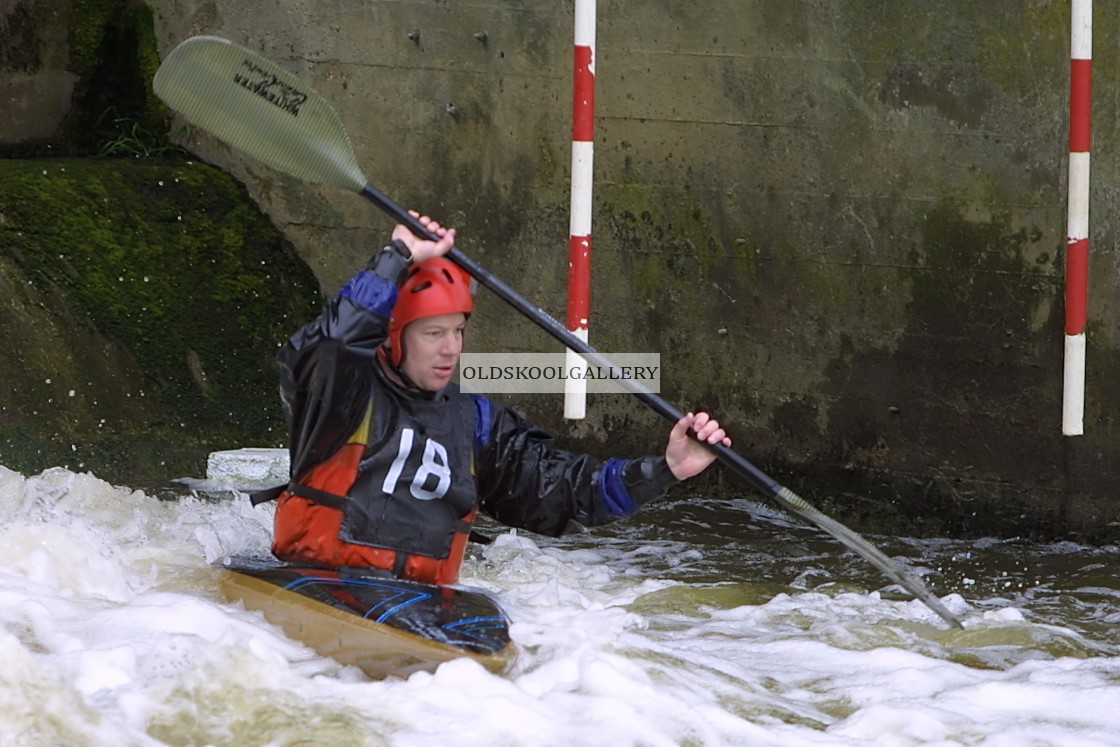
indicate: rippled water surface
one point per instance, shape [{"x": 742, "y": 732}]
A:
[{"x": 699, "y": 622}]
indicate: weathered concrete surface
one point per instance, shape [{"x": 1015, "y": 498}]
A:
[
  {"x": 36, "y": 84},
  {"x": 841, "y": 224}
]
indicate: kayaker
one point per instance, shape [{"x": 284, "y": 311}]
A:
[{"x": 390, "y": 463}]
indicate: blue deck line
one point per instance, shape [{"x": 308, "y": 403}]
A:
[
  {"x": 477, "y": 624},
  {"x": 418, "y": 596}
]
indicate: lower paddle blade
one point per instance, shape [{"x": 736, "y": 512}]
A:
[
  {"x": 258, "y": 107},
  {"x": 890, "y": 568}
]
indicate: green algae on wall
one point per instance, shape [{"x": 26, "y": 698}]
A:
[{"x": 167, "y": 261}]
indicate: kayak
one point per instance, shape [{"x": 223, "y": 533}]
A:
[{"x": 378, "y": 623}]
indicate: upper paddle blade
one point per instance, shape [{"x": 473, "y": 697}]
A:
[{"x": 254, "y": 105}]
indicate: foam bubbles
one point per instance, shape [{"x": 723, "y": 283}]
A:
[{"x": 112, "y": 632}]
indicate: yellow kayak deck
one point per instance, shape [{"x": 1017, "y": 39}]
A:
[{"x": 382, "y": 625}]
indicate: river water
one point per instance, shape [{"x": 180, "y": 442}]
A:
[{"x": 701, "y": 621}]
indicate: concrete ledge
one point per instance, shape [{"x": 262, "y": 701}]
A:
[{"x": 248, "y": 468}]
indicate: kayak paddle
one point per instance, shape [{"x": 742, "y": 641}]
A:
[{"x": 254, "y": 105}]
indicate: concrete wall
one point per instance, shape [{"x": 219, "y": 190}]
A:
[
  {"x": 841, "y": 224},
  {"x": 35, "y": 82}
]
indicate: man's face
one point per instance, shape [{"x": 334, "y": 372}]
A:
[{"x": 431, "y": 349}]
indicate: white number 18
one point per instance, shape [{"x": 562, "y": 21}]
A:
[{"x": 433, "y": 463}]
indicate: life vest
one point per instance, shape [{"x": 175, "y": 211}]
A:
[{"x": 398, "y": 496}]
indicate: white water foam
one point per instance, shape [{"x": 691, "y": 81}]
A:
[{"x": 112, "y": 632}]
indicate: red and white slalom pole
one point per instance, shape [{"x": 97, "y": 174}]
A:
[
  {"x": 579, "y": 240},
  {"x": 1077, "y": 233}
]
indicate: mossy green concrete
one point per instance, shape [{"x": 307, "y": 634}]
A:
[
  {"x": 969, "y": 353},
  {"x": 172, "y": 273}
]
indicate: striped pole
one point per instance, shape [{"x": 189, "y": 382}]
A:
[
  {"x": 1077, "y": 233},
  {"x": 579, "y": 234}
]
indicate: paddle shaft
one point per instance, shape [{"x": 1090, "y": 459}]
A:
[
  {"x": 727, "y": 456},
  {"x": 254, "y": 105}
]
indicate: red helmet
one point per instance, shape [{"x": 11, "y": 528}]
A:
[{"x": 431, "y": 288}]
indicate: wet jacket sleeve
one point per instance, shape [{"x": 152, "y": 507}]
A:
[
  {"x": 326, "y": 370},
  {"x": 525, "y": 482}
]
